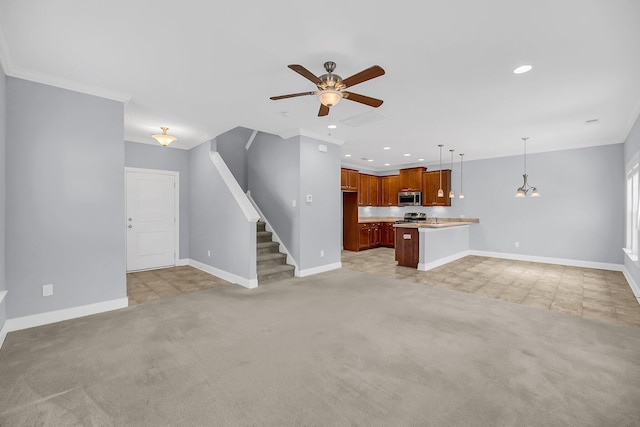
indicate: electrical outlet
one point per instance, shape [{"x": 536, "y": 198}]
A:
[
  {"x": 517, "y": 244},
  {"x": 293, "y": 203},
  {"x": 47, "y": 290},
  {"x": 322, "y": 254},
  {"x": 209, "y": 253}
]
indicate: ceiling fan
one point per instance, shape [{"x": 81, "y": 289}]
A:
[{"x": 331, "y": 87}]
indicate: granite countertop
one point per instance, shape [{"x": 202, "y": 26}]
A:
[
  {"x": 442, "y": 223},
  {"x": 369, "y": 219}
]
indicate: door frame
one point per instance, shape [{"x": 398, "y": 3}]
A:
[{"x": 176, "y": 205}]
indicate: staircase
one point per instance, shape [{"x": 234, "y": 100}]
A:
[{"x": 272, "y": 265}]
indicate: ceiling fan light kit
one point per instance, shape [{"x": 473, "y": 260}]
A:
[
  {"x": 164, "y": 139},
  {"x": 331, "y": 87}
]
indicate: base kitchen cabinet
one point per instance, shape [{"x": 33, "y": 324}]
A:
[
  {"x": 388, "y": 235},
  {"x": 369, "y": 235},
  {"x": 407, "y": 247}
]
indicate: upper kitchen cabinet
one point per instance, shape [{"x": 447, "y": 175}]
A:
[
  {"x": 349, "y": 179},
  {"x": 390, "y": 186},
  {"x": 431, "y": 185},
  {"x": 411, "y": 179},
  {"x": 369, "y": 190}
]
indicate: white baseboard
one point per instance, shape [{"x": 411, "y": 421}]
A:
[
  {"x": 442, "y": 261},
  {"x": 31, "y": 321},
  {"x": 316, "y": 270},
  {"x": 632, "y": 284},
  {"x": 229, "y": 277},
  {"x": 546, "y": 260},
  {"x": 182, "y": 262}
]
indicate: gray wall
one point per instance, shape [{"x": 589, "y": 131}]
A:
[
  {"x": 631, "y": 147},
  {"x": 320, "y": 220},
  {"x": 65, "y": 198},
  {"x": 3, "y": 178},
  {"x": 274, "y": 182},
  {"x": 216, "y": 222},
  {"x": 580, "y": 215},
  {"x": 281, "y": 171},
  {"x": 231, "y": 146},
  {"x": 148, "y": 156}
]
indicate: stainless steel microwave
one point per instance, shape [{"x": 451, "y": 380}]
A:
[{"x": 410, "y": 198}]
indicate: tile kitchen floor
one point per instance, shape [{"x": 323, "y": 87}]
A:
[
  {"x": 152, "y": 285},
  {"x": 594, "y": 294}
]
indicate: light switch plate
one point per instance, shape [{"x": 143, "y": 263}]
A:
[
  {"x": 47, "y": 290},
  {"x": 309, "y": 198}
]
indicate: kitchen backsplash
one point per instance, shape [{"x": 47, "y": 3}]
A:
[{"x": 437, "y": 211}]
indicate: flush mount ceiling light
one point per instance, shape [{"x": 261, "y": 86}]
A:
[
  {"x": 451, "y": 193},
  {"x": 524, "y": 189},
  {"x": 461, "y": 195},
  {"x": 164, "y": 139},
  {"x": 522, "y": 69}
]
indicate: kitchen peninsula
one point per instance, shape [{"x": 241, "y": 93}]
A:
[{"x": 428, "y": 244}]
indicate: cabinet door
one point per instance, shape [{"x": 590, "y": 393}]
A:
[
  {"x": 389, "y": 186},
  {"x": 352, "y": 179},
  {"x": 374, "y": 191},
  {"x": 348, "y": 179},
  {"x": 411, "y": 179},
  {"x": 431, "y": 185},
  {"x": 376, "y": 236},
  {"x": 388, "y": 235},
  {"x": 363, "y": 190},
  {"x": 364, "y": 236}
]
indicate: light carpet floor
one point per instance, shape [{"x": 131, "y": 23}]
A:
[{"x": 341, "y": 348}]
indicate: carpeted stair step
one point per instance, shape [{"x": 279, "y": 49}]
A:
[
  {"x": 276, "y": 272},
  {"x": 268, "y": 247},
  {"x": 261, "y": 225},
  {"x": 264, "y": 236},
  {"x": 271, "y": 259}
]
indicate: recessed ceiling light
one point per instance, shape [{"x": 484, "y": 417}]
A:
[
  {"x": 332, "y": 126},
  {"x": 407, "y": 154},
  {"x": 387, "y": 164},
  {"x": 522, "y": 69},
  {"x": 370, "y": 160},
  {"x": 387, "y": 148},
  {"x": 347, "y": 155},
  {"x": 421, "y": 160}
]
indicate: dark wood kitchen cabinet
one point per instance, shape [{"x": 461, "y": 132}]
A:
[
  {"x": 349, "y": 179},
  {"x": 407, "y": 247},
  {"x": 411, "y": 179},
  {"x": 369, "y": 235},
  {"x": 388, "y": 235},
  {"x": 431, "y": 185},
  {"x": 369, "y": 190},
  {"x": 389, "y": 186}
]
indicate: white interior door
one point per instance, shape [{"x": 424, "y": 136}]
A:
[{"x": 151, "y": 219}]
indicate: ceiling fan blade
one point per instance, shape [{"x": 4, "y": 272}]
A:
[
  {"x": 305, "y": 73},
  {"x": 292, "y": 95},
  {"x": 362, "y": 99},
  {"x": 324, "y": 110},
  {"x": 363, "y": 76}
]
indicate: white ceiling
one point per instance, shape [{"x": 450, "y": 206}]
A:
[{"x": 202, "y": 68}]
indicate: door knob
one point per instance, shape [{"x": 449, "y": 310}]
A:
[
  {"x": 130, "y": 226},
  {"x": 130, "y": 219}
]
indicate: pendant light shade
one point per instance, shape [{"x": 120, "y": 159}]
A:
[
  {"x": 451, "y": 193},
  {"x": 164, "y": 139},
  {"x": 440, "y": 192},
  {"x": 525, "y": 187},
  {"x": 461, "y": 195}
]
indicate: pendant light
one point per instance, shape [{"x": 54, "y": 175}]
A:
[
  {"x": 524, "y": 189},
  {"x": 461, "y": 195},
  {"x": 164, "y": 139},
  {"x": 440, "y": 192},
  {"x": 451, "y": 193}
]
